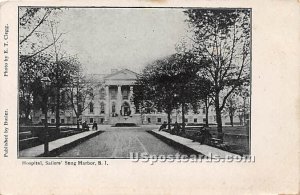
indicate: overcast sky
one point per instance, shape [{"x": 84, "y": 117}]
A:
[{"x": 106, "y": 38}]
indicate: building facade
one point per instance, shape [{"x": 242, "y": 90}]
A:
[{"x": 112, "y": 103}]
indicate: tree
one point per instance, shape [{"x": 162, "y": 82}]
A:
[
  {"x": 31, "y": 73},
  {"x": 79, "y": 90},
  {"x": 61, "y": 71},
  {"x": 38, "y": 56},
  {"x": 32, "y": 24},
  {"x": 155, "y": 85},
  {"x": 142, "y": 103},
  {"x": 221, "y": 39},
  {"x": 190, "y": 86},
  {"x": 172, "y": 82}
]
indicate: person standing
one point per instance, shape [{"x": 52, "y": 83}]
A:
[
  {"x": 95, "y": 126},
  {"x": 176, "y": 128}
]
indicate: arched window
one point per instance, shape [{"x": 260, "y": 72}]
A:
[
  {"x": 91, "y": 107},
  {"x": 102, "y": 94},
  {"x": 102, "y": 108}
]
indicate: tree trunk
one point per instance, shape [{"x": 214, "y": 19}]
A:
[
  {"x": 244, "y": 111},
  {"x": 27, "y": 113},
  {"x": 142, "y": 118},
  {"x": 57, "y": 92},
  {"x": 218, "y": 116},
  {"x": 231, "y": 119},
  {"x": 206, "y": 112},
  {"x": 57, "y": 108},
  {"x": 169, "y": 121},
  {"x": 77, "y": 118},
  {"x": 241, "y": 118},
  {"x": 183, "y": 117},
  {"x": 206, "y": 116},
  {"x": 45, "y": 132}
]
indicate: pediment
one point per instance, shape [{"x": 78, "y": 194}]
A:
[{"x": 122, "y": 75}]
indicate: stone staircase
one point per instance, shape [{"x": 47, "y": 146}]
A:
[{"x": 133, "y": 119}]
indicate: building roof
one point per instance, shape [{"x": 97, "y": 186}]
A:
[{"x": 123, "y": 74}]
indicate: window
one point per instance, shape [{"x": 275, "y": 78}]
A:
[
  {"x": 159, "y": 120},
  {"x": 91, "y": 107},
  {"x": 52, "y": 120},
  {"x": 186, "y": 120},
  {"x": 125, "y": 94},
  {"x": 102, "y": 108},
  {"x": 204, "y": 111},
  {"x": 113, "y": 94},
  {"x": 102, "y": 94},
  {"x": 62, "y": 121},
  {"x": 149, "y": 120},
  {"x": 91, "y": 120},
  {"x": 204, "y": 120},
  {"x": 195, "y": 120}
]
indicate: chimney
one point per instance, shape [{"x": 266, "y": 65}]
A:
[{"x": 114, "y": 70}]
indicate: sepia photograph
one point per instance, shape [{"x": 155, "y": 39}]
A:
[{"x": 131, "y": 82}]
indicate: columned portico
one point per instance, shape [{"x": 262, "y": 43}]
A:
[
  {"x": 118, "y": 101},
  {"x": 115, "y": 99}
]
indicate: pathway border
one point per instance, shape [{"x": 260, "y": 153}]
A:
[
  {"x": 58, "y": 146},
  {"x": 192, "y": 147}
]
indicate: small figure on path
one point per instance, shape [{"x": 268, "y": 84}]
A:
[
  {"x": 85, "y": 126},
  {"x": 163, "y": 126},
  {"x": 95, "y": 127},
  {"x": 176, "y": 128},
  {"x": 205, "y": 136}
]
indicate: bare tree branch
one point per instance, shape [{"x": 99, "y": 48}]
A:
[{"x": 46, "y": 15}]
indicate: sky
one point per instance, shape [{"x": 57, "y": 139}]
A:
[{"x": 109, "y": 38}]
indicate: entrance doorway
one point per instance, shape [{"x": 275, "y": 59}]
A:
[
  {"x": 101, "y": 120},
  {"x": 126, "y": 109}
]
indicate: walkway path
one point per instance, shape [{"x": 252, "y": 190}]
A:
[{"x": 120, "y": 142}]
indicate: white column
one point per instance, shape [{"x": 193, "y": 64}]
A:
[
  {"x": 119, "y": 100},
  {"x": 107, "y": 114},
  {"x": 131, "y": 100}
]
